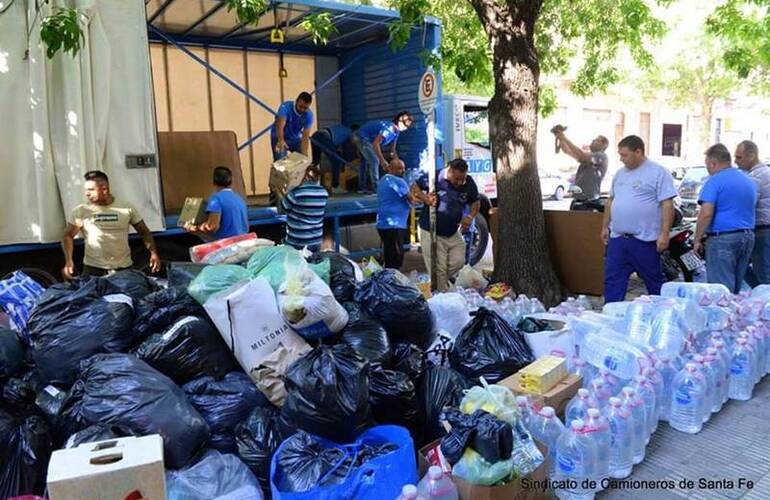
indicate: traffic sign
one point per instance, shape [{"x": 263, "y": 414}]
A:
[{"x": 428, "y": 92}]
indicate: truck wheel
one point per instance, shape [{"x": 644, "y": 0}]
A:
[
  {"x": 480, "y": 240},
  {"x": 44, "y": 278},
  {"x": 559, "y": 194}
]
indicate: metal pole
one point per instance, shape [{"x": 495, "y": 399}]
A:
[{"x": 432, "y": 189}]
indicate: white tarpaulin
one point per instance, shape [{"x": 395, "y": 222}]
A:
[{"x": 76, "y": 114}]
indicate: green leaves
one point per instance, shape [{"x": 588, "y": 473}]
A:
[
  {"x": 320, "y": 26},
  {"x": 61, "y": 31},
  {"x": 412, "y": 13},
  {"x": 248, "y": 11},
  {"x": 744, "y": 26}
]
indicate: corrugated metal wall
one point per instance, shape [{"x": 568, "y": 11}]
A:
[{"x": 382, "y": 83}]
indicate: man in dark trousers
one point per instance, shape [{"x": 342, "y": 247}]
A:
[
  {"x": 394, "y": 201},
  {"x": 593, "y": 163}
]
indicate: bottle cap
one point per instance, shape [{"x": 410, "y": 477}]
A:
[
  {"x": 698, "y": 358},
  {"x": 691, "y": 367},
  {"x": 547, "y": 412},
  {"x": 616, "y": 402},
  {"x": 576, "y": 425},
  {"x": 409, "y": 491},
  {"x": 640, "y": 378},
  {"x": 593, "y": 413},
  {"x": 629, "y": 391},
  {"x": 583, "y": 393},
  {"x": 435, "y": 472},
  {"x": 522, "y": 401}
]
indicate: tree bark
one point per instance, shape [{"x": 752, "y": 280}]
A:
[{"x": 521, "y": 252}]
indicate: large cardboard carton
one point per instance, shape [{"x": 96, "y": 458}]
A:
[
  {"x": 526, "y": 488},
  {"x": 557, "y": 397},
  {"x": 287, "y": 173},
  {"x": 116, "y": 469}
]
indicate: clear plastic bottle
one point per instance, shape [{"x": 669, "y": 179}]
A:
[
  {"x": 600, "y": 391},
  {"x": 656, "y": 380},
  {"x": 752, "y": 345},
  {"x": 646, "y": 391},
  {"x": 437, "y": 486},
  {"x": 687, "y": 400},
  {"x": 585, "y": 370},
  {"x": 577, "y": 408},
  {"x": 741, "y": 371},
  {"x": 726, "y": 357},
  {"x": 599, "y": 429},
  {"x": 723, "y": 377},
  {"x": 547, "y": 429},
  {"x": 576, "y": 456},
  {"x": 621, "y": 439},
  {"x": 759, "y": 337},
  {"x": 667, "y": 336},
  {"x": 766, "y": 330},
  {"x": 525, "y": 410},
  {"x": 635, "y": 405},
  {"x": 667, "y": 372},
  {"x": 639, "y": 320},
  {"x": 614, "y": 384},
  {"x": 409, "y": 492},
  {"x": 605, "y": 348},
  {"x": 710, "y": 385}
]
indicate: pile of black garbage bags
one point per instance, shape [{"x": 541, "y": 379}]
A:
[{"x": 129, "y": 355}]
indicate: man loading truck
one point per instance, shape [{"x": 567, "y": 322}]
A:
[{"x": 291, "y": 129}]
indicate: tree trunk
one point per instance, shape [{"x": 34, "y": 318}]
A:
[
  {"x": 707, "y": 114},
  {"x": 521, "y": 252}
]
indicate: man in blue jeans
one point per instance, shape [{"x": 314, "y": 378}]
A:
[
  {"x": 338, "y": 143},
  {"x": 372, "y": 137},
  {"x": 747, "y": 159},
  {"x": 727, "y": 215},
  {"x": 637, "y": 221}
]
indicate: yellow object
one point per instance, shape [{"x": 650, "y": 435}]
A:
[
  {"x": 277, "y": 36},
  {"x": 498, "y": 291},
  {"x": 539, "y": 377}
]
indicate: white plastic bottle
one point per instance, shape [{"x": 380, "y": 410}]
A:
[
  {"x": 766, "y": 330},
  {"x": 577, "y": 408},
  {"x": 614, "y": 383},
  {"x": 576, "y": 456},
  {"x": 667, "y": 336},
  {"x": 409, "y": 492},
  {"x": 656, "y": 380},
  {"x": 687, "y": 400},
  {"x": 621, "y": 439},
  {"x": 547, "y": 429},
  {"x": 600, "y": 391},
  {"x": 726, "y": 357},
  {"x": 525, "y": 410},
  {"x": 667, "y": 372},
  {"x": 605, "y": 348},
  {"x": 599, "y": 429},
  {"x": 646, "y": 391},
  {"x": 639, "y": 320},
  {"x": 635, "y": 405},
  {"x": 437, "y": 486},
  {"x": 752, "y": 347},
  {"x": 741, "y": 371},
  {"x": 759, "y": 337},
  {"x": 582, "y": 368}
]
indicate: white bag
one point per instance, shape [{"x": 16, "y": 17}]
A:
[
  {"x": 287, "y": 173},
  {"x": 470, "y": 278},
  {"x": 308, "y": 305},
  {"x": 451, "y": 312},
  {"x": 247, "y": 317},
  {"x": 559, "y": 342}
]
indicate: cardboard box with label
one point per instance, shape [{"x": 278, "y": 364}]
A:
[
  {"x": 116, "y": 469},
  {"x": 193, "y": 211},
  {"x": 557, "y": 397}
]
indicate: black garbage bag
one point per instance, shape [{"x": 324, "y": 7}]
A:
[
  {"x": 188, "y": 349},
  {"x": 533, "y": 325},
  {"x": 121, "y": 390},
  {"x": 366, "y": 335},
  {"x": 180, "y": 274},
  {"x": 50, "y": 401},
  {"x": 160, "y": 309},
  {"x": 399, "y": 306},
  {"x": 342, "y": 275},
  {"x": 438, "y": 389},
  {"x": 488, "y": 347},
  {"x": 214, "y": 476},
  {"x": 489, "y": 436},
  {"x": 258, "y": 437},
  {"x": 73, "y": 321},
  {"x": 133, "y": 283},
  {"x": 223, "y": 404},
  {"x": 25, "y": 449},
  {"x": 18, "y": 396},
  {"x": 393, "y": 398},
  {"x": 94, "y": 433},
  {"x": 12, "y": 353},
  {"x": 409, "y": 359},
  {"x": 328, "y": 393}
]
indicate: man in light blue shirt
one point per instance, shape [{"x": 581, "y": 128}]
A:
[
  {"x": 394, "y": 202},
  {"x": 747, "y": 158},
  {"x": 291, "y": 129},
  {"x": 637, "y": 221},
  {"x": 727, "y": 215},
  {"x": 372, "y": 137}
]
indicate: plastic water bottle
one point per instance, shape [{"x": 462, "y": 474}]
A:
[
  {"x": 726, "y": 358},
  {"x": 723, "y": 377},
  {"x": 759, "y": 337},
  {"x": 635, "y": 405},
  {"x": 752, "y": 344},
  {"x": 525, "y": 410},
  {"x": 639, "y": 321},
  {"x": 646, "y": 391},
  {"x": 687, "y": 400},
  {"x": 586, "y": 371},
  {"x": 710, "y": 379},
  {"x": 767, "y": 347},
  {"x": 667, "y": 336},
  {"x": 576, "y": 456},
  {"x": 667, "y": 372},
  {"x": 741, "y": 369},
  {"x": 657, "y": 385},
  {"x": 409, "y": 492},
  {"x": 600, "y": 391},
  {"x": 547, "y": 429},
  {"x": 599, "y": 429},
  {"x": 613, "y": 383},
  {"x": 621, "y": 439},
  {"x": 607, "y": 349},
  {"x": 577, "y": 408},
  {"x": 437, "y": 486}
]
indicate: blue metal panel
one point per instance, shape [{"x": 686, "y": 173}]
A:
[{"x": 384, "y": 82}]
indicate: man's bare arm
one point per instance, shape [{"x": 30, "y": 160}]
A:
[
  {"x": 571, "y": 149},
  {"x": 149, "y": 243},
  {"x": 68, "y": 247}
]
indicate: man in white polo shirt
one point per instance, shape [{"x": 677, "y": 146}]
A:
[{"x": 747, "y": 159}]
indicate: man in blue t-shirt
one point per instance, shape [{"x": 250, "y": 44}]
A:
[
  {"x": 373, "y": 136},
  {"x": 727, "y": 216},
  {"x": 457, "y": 203},
  {"x": 291, "y": 129},
  {"x": 394, "y": 202},
  {"x": 228, "y": 215},
  {"x": 338, "y": 143}
]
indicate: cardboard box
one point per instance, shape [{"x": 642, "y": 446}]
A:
[
  {"x": 576, "y": 250},
  {"x": 513, "y": 490},
  {"x": 543, "y": 374},
  {"x": 287, "y": 173},
  {"x": 193, "y": 211},
  {"x": 115, "y": 469},
  {"x": 557, "y": 397}
]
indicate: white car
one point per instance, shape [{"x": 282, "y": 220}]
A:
[{"x": 552, "y": 185}]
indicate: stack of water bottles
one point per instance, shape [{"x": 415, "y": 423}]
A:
[{"x": 509, "y": 309}]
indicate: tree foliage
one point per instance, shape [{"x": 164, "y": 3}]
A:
[
  {"x": 248, "y": 11},
  {"x": 744, "y": 25},
  {"x": 320, "y": 26},
  {"x": 61, "y": 31}
]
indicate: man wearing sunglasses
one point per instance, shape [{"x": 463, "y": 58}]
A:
[{"x": 373, "y": 137}]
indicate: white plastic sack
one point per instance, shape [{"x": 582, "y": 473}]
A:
[
  {"x": 247, "y": 317},
  {"x": 559, "y": 342},
  {"x": 470, "y": 278},
  {"x": 451, "y": 312},
  {"x": 308, "y": 305},
  {"x": 288, "y": 172}
]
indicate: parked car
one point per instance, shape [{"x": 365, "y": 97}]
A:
[
  {"x": 552, "y": 185},
  {"x": 689, "y": 189}
]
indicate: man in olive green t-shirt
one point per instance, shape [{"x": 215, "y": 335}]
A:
[{"x": 104, "y": 223}]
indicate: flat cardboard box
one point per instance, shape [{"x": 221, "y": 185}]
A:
[
  {"x": 193, "y": 211},
  {"x": 114, "y": 469},
  {"x": 513, "y": 490},
  {"x": 557, "y": 397}
]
